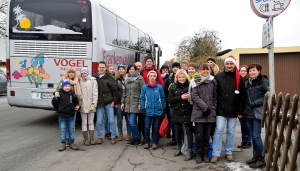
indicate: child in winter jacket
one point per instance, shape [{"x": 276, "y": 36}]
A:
[{"x": 66, "y": 105}]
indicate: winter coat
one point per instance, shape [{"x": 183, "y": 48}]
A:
[
  {"x": 120, "y": 87},
  {"x": 204, "y": 96},
  {"x": 145, "y": 72},
  {"x": 65, "y": 104},
  {"x": 256, "y": 92},
  {"x": 229, "y": 104},
  {"x": 153, "y": 100},
  {"x": 89, "y": 88},
  {"x": 131, "y": 95},
  {"x": 169, "y": 81},
  {"x": 107, "y": 90},
  {"x": 72, "y": 88},
  {"x": 181, "y": 108}
]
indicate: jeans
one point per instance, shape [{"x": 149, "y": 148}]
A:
[
  {"x": 255, "y": 129},
  {"x": 148, "y": 120},
  {"x": 66, "y": 124},
  {"x": 218, "y": 136},
  {"x": 179, "y": 133},
  {"x": 110, "y": 115},
  {"x": 172, "y": 125},
  {"x": 119, "y": 114},
  {"x": 246, "y": 136},
  {"x": 106, "y": 124},
  {"x": 67, "y": 132},
  {"x": 132, "y": 117},
  {"x": 202, "y": 134}
]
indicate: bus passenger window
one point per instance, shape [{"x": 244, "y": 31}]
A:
[
  {"x": 110, "y": 27},
  {"x": 134, "y": 36},
  {"x": 123, "y": 33}
]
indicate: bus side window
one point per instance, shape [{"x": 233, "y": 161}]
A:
[
  {"x": 123, "y": 33},
  {"x": 134, "y": 36},
  {"x": 110, "y": 27}
]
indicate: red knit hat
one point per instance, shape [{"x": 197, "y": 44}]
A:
[{"x": 237, "y": 73}]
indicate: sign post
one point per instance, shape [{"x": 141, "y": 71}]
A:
[{"x": 269, "y": 9}]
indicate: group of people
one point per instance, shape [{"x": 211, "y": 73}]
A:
[{"x": 197, "y": 99}]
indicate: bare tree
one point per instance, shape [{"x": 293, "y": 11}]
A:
[
  {"x": 201, "y": 45},
  {"x": 3, "y": 8}
]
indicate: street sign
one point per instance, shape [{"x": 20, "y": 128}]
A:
[
  {"x": 267, "y": 33},
  {"x": 269, "y": 8}
]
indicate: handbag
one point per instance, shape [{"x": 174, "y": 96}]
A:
[
  {"x": 164, "y": 127},
  {"x": 257, "y": 110}
]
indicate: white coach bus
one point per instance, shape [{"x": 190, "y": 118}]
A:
[{"x": 46, "y": 37}]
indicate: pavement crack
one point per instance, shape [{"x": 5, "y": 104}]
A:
[
  {"x": 162, "y": 147},
  {"x": 134, "y": 164},
  {"x": 120, "y": 156},
  {"x": 160, "y": 157}
]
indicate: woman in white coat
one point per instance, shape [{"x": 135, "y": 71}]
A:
[{"x": 89, "y": 89}]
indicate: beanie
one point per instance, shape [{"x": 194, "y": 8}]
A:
[
  {"x": 152, "y": 71},
  {"x": 149, "y": 56},
  {"x": 84, "y": 70},
  {"x": 211, "y": 59},
  {"x": 237, "y": 73},
  {"x": 65, "y": 82},
  {"x": 121, "y": 66},
  {"x": 176, "y": 64}
]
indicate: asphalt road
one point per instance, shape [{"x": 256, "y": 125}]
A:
[{"x": 29, "y": 140}]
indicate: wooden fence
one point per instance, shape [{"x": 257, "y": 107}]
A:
[{"x": 281, "y": 121}]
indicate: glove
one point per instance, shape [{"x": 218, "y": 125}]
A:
[
  {"x": 207, "y": 112},
  {"x": 252, "y": 104},
  {"x": 143, "y": 112},
  {"x": 92, "y": 109}
]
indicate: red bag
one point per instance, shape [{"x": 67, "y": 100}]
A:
[{"x": 164, "y": 127}]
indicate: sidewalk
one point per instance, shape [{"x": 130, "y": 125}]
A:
[{"x": 136, "y": 158}]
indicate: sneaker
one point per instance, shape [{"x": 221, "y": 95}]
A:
[
  {"x": 62, "y": 147},
  {"x": 67, "y": 142},
  {"x": 146, "y": 146},
  {"x": 132, "y": 141},
  {"x": 214, "y": 159},
  {"x": 73, "y": 146},
  {"x": 242, "y": 144},
  {"x": 171, "y": 143},
  {"x": 229, "y": 157},
  {"x": 136, "y": 142},
  {"x": 154, "y": 146},
  {"x": 249, "y": 144}
]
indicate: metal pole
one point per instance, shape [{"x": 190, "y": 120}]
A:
[{"x": 271, "y": 71}]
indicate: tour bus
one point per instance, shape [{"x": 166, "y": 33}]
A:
[{"x": 46, "y": 37}]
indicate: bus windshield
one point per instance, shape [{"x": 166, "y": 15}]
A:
[{"x": 53, "y": 20}]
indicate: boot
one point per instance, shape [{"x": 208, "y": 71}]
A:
[
  {"x": 178, "y": 151},
  {"x": 136, "y": 142},
  {"x": 205, "y": 154},
  {"x": 85, "y": 136},
  {"x": 188, "y": 155},
  {"x": 91, "y": 132},
  {"x": 199, "y": 155},
  {"x": 259, "y": 163},
  {"x": 254, "y": 158}
]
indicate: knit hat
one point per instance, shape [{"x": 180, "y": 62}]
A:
[
  {"x": 237, "y": 73},
  {"x": 65, "y": 82},
  {"x": 84, "y": 70},
  {"x": 149, "y": 56},
  {"x": 176, "y": 64},
  {"x": 211, "y": 59},
  {"x": 152, "y": 71},
  {"x": 121, "y": 66}
]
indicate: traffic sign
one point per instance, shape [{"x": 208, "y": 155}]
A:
[
  {"x": 267, "y": 33},
  {"x": 269, "y": 8}
]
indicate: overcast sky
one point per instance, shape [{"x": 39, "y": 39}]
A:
[{"x": 168, "y": 21}]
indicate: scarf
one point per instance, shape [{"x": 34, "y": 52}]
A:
[
  {"x": 197, "y": 81},
  {"x": 192, "y": 76},
  {"x": 152, "y": 84},
  {"x": 77, "y": 88},
  {"x": 129, "y": 78}
]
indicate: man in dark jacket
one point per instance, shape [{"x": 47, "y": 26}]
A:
[
  {"x": 107, "y": 97},
  {"x": 230, "y": 105}
]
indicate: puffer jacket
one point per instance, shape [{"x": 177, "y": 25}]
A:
[
  {"x": 107, "y": 90},
  {"x": 131, "y": 95},
  {"x": 153, "y": 100},
  {"x": 256, "y": 93},
  {"x": 89, "y": 88},
  {"x": 181, "y": 108},
  {"x": 65, "y": 104},
  {"x": 204, "y": 96}
]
